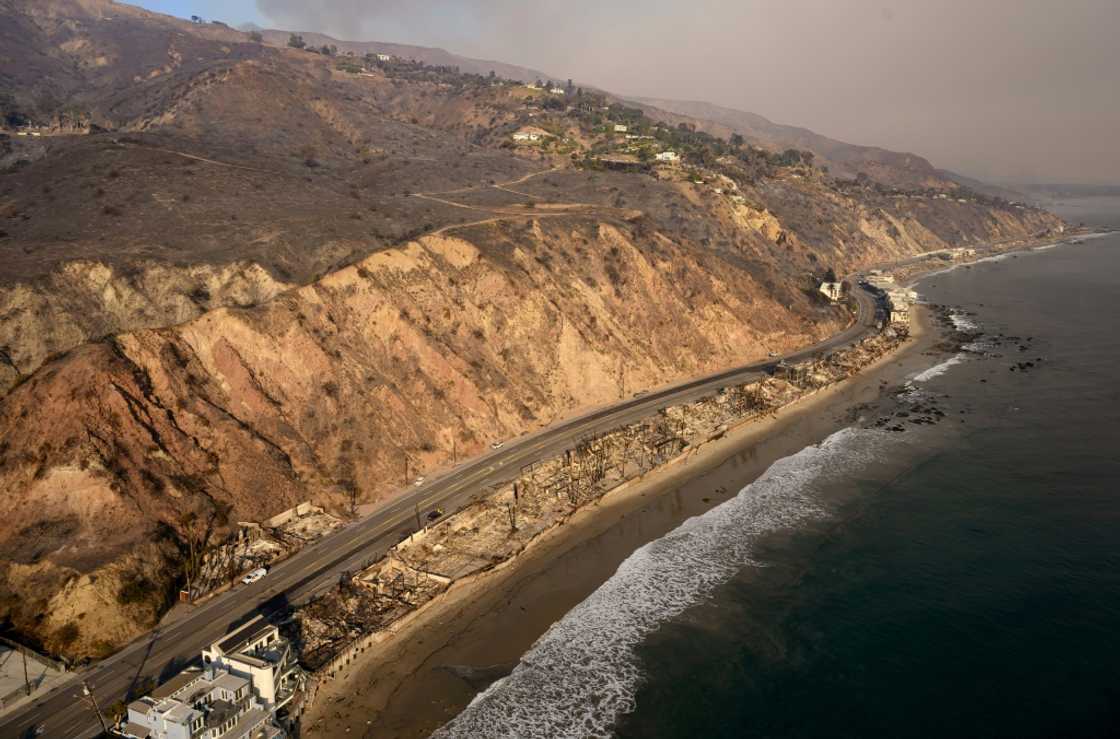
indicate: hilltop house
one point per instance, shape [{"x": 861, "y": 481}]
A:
[
  {"x": 832, "y": 290},
  {"x": 384, "y": 58},
  {"x": 558, "y": 91},
  {"x": 530, "y": 134},
  {"x": 669, "y": 156},
  {"x": 621, "y": 128}
]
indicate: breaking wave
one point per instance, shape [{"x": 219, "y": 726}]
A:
[
  {"x": 938, "y": 369},
  {"x": 963, "y": 323},
  {"x": 583, "y": 674}
]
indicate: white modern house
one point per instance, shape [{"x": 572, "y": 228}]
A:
[
  {"x": 671, "y": 157},
  {"x": 530, "y": 135},
  {"x": 245, "y": 678},
  {"x": 621, "y": 128},
  {"x": 201, "y": 704},
  {"x": 258, "y": 653},
  {"x": 832, "y": 290}
]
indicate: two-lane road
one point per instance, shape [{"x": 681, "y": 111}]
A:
[{"x": 62, "y": 714}]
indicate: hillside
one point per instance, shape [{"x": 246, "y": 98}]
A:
[
  {"x": 844, "y": 160},
  {"x": 426, "y": 54},
  {"x": 239, "y": 276}
]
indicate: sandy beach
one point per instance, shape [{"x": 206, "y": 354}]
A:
[{"x": 439, "y": 659}]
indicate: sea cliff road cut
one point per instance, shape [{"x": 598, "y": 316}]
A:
[{"x": 63, "y": 712}]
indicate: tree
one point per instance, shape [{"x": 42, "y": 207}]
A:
[
  {"x": 830, "y": 275},
  {"x": 737, "y": 140},
  {"x": 196, "y": 19},
  {"x": 256, "y": 37},
  {"x": 296, "y": 41}
]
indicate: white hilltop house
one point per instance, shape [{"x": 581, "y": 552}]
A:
[
  {"x": 530, "y": 135},
  {"x": 621, "y": 128},
  {"x": 384, "y": 58},
  {"x": 668, "y": 156},
  {"x": 557, "y": 90},
  {"x": 832, "y": 290}
]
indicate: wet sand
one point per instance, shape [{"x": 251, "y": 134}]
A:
[{"x": 433, "y": 665}]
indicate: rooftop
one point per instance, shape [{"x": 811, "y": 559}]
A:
[
  {"x": 175, "y": 684},
  {"x": 229, "y": 682},
  {"x": 135, "y": 730},
  {"x": 220, "y": 712},
  {"x": 180, "y": 713},
  {"x": 244, "y": 636}
]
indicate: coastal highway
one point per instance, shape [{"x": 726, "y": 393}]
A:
[{"x": 62, "y": 714}]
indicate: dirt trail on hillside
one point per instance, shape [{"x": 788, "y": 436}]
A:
[
  {"x": 197, "y": 158},
  {"x": 498, "y": 214}
]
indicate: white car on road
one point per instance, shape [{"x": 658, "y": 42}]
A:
[{"x": 255, "y": 575}]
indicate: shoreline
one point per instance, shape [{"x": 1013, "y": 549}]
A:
[
  {"x": 993, "y": 253},
  {"x": 423, "y": 670}
]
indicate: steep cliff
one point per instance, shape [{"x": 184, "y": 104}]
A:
[{"x": 287, "y": 277}]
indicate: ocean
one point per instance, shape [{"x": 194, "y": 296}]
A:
[{"x": 958, "y": 577}]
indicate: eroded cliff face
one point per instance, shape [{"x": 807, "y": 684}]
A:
[
  {"x": 137, "y": 444},
  {"x": 206, "y": 320},
  {"x": 122, "y": 455},
  {"x": 83, "y": 300}
]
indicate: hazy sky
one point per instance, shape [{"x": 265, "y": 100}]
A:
[{"x": 999, "y": 89}]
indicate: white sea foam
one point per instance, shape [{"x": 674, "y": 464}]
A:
[
  {"x": 938, "y": 369},
  {"x": 583, "y": 673},
  {"x": 963, "y": 323},
  {"x": 996, "y": 258},
  {"x": 1094, "y": 235}
]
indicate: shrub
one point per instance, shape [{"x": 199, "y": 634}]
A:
[
  {"x": 136, "y": 589},
  {"x": 68, "y": 634}
]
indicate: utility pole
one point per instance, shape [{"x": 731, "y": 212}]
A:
[
  {"x": 406, "y": 469},
  {"x": 26, "y": 681},
  {"x": 417, "y": 516},
  {"x": 93, "y": 702}
]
